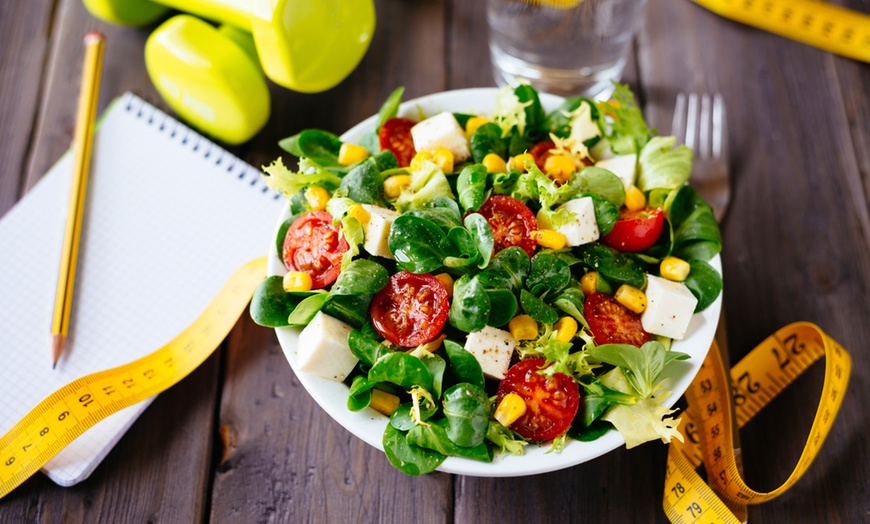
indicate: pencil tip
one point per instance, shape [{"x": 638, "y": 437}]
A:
[
  {"x": 54, "y": 365},
  {"x": 57, "y": 342}
]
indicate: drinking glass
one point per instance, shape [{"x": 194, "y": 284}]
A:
[{"x": 566, "y": 47}]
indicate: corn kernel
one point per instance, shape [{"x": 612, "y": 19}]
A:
[
  {"x": 631, "y": 297},
  {"x": 447, "y": 281},
  {"x": 634, "y": 198},
  {"x": 444, "y": 158},
  {"x": 359, "y": 213},
  {"x": 297, "y": 281},
  {"x": 565, "y": 328},
  {"x": 673, "y": 268},
  {"x": 510, "y": 409},
  {"x": 494, "y": 163},
  {"x": 551, "y": 239},
  {"x": 351, "y": 154},
  {"x": 394, "y": 185},
  {"x": 519, "y": 162},
  {"x": 560, "y": 168},
  {"x": 419, "y": 158},
  {"x": 523, "y": 327},
  {"x": 317, "y": 198},
  {"x": 473, "y": 123},
  {"x": 384, "y": 402},
  {"x": 589, "y": 282}
]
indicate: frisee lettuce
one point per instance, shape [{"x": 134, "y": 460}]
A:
[
  {"x": 628, "y": 130},
  {"x": 642, "y": 422},
  {"x": 278, "y": 178},
  {"x": 506, "y": 440},
  {"x": 427, "y": 183},
  {"x": 508, "y": 112}
]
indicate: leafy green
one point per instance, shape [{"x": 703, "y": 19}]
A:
[
  {"x": 364, "y": 348},
  {"x": 559, "y": 120},
  {"x": 306, "y": 309},
  {"x": 534, "y": 112},
  {"x": 629, "y": 132},
  {"x": 350, "y": 309},
  {"x": 603, "y": 183},
  {"x": 322, "y": 147},
  {"x": 465, "y": 366},
  {"x": 547, "y": 274},
  {"x": 417, "y": 244},
  {"x": 364, "y": 184},
  {"x": 505, "y": 439},
  {"x": 641, "y": 422},
  {"x": 704, "y": 282},
  {"x": 509, "y": 112},
  {"x": 402, "y": 370},
  {"x": 360, "y": 394},
  {"x": 481, "y": 234},
  {"x": 660, "y": 166},
  {"x": 471, "y": 186},
  {"x": 271, "y": 305},
  {"x": 508, "y": 269},
  {"x": 696, "y": 233},
  {"x": 487, "y": 139},
  {"x": 436, "y": 366},
  {"x": 360, "y": 277},
  {"x": 613, "y": 265},
  {"x": 606, "y": 214},
  {"x": 470, "y": 309},
  {"x": 278, "y": 178},
  {"x": 434, "y": 437},
  {"x": 537, "y": 308},
  {"x": 403, "y": 420},
  {"x": 427, "y": 183},
  {"x": 407, "y": 457},
  {"x": 466, "y": 408},
  {"x": 641, "y": 366},
  {"x": 390, "y": 107},
  {"x": 597, "y": 398},
  {"x": 503, "y": 306}
]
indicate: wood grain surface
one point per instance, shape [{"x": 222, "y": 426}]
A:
[{"x": 241, "y": 441}]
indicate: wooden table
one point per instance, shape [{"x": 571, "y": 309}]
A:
[{"x": 241, "y": 441}]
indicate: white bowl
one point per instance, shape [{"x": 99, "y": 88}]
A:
[{"x": 369, "y": 425}]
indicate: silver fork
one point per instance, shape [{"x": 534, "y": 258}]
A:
[{"x": 700, "y": 122}]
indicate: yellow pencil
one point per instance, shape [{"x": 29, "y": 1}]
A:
[{"x": 82, "y": 143}]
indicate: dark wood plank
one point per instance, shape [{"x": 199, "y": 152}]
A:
[
  {"x": 284, "y": 458},
  {"x": 24, "y": 37},
  {"x": 160, "y": 469},
  {"x": 790, "y": 242}
]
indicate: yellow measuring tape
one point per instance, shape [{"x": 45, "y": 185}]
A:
[
  {"x": 755, "y": 380},
  {"x": 819, "y": 24},
  {"x": 71, "y": 410}
]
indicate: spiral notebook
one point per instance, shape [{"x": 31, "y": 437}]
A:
[{"x": 169, "y": 217}]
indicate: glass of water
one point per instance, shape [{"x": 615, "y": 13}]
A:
[{"x": 566, "y": 47}]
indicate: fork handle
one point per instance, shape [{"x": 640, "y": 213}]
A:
[{"x": 819, "y": 24}]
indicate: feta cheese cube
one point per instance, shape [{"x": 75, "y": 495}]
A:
[
  {"x": 493, "y": 349},
  {"x": 670, "y": 306},
  {"x": 622, "y": 166},
  {"x": 377, "y": 230},
  {"x": 322, "y": 348},
  {"x": 441, "y": 130},
  {"x": 582, "y": 227}
]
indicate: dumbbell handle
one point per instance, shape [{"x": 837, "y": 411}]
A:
[{"x": 233, "y": 12}]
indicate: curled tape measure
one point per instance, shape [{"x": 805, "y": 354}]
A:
[
  {"x": 73, "y": 409},
  {"x": 819, "y": 24},
  {"x": 755, "y": 380}
]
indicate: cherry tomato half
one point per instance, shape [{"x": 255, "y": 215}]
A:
[
  {"x": 551, "y": 404},
  {"x": 395, "y": 136},
  {"x": 541, "y": 152},
  {"x": 313, "y": 245},
  {"x": 636, "y": 230},
  {"x": 512, "y": 223},
  {"x": 613, "y": 323},
  {"x": 411, "y": 309}
]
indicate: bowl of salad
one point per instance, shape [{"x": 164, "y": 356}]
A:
[{"x": 493, "y": 282}]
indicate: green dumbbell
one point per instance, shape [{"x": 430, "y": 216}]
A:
[{"x": 211, "y": 76}]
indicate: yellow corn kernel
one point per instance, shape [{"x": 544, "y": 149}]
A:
[
  {"x": 519, "y": 162},
  {"x": 560, "y": 168},
  {"x": 317, "y": 198},
  {"x": 631, "y": 297},
  {"x": 444, "y": 158},
  {"x": 473, "y": 123},
  {"x": 394, "y": 185},
  {"x": 550, "y": 238},
  {"x": 565, "y": 328},
  {"x": 523, "y": 327},
  {"x": 510, "y": 409},
  {"x": 384, "y": 402},
  {"x": 359, "y": 213},
  {"x": 351, "y": 154},
  {"x": 297, "y": 281},
  {"x": 494, "y": 163},
  {"x": 673, "y": 268},
  {"x": 589, "y": 282},
  {"x": 634, "y": 199},
  {"x": 419, "y": 158},
  {"x": 447, "y": 280}
]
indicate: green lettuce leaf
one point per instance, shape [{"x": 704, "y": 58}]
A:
[
  {"x": 629, "y": 132},
  {"x": 642, "y": 422},
  {"x": 660, "y": 165},
  {"x": 427, "y": 183},
  {"x": 278, "y": 178}
]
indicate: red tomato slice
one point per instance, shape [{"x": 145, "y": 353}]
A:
[
  {"x": 314, "y": 246},
  {"x": 551, "y": 404},
  {"x": 541, "y": 152},
  {"x": 411, "y": 309},
  {"x": 512, "y": 223},
  {"x": 636, "y": 230},
  {"x": 613, "y": 323},
  {"x": 395, "y": 136}
]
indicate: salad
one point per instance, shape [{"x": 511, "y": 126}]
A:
[{"x": 490, "y": 281}]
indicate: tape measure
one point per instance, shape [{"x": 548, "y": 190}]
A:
[
  {"x": 759, "y": 377},
  {"x": 819, "y": 24},
  {"x": 71, "y": 410}
]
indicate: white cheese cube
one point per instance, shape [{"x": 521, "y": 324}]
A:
[
  {"x": 670, "y": 306},
  {"x": 622, "y": 166},
  {"x": 322, "y": 348},
  {"x": 377, "y": 230},
  {"x": 582, "y": 228},
  {"x": 493, "y": 349},
  {"x": 441, "y": 130}
]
